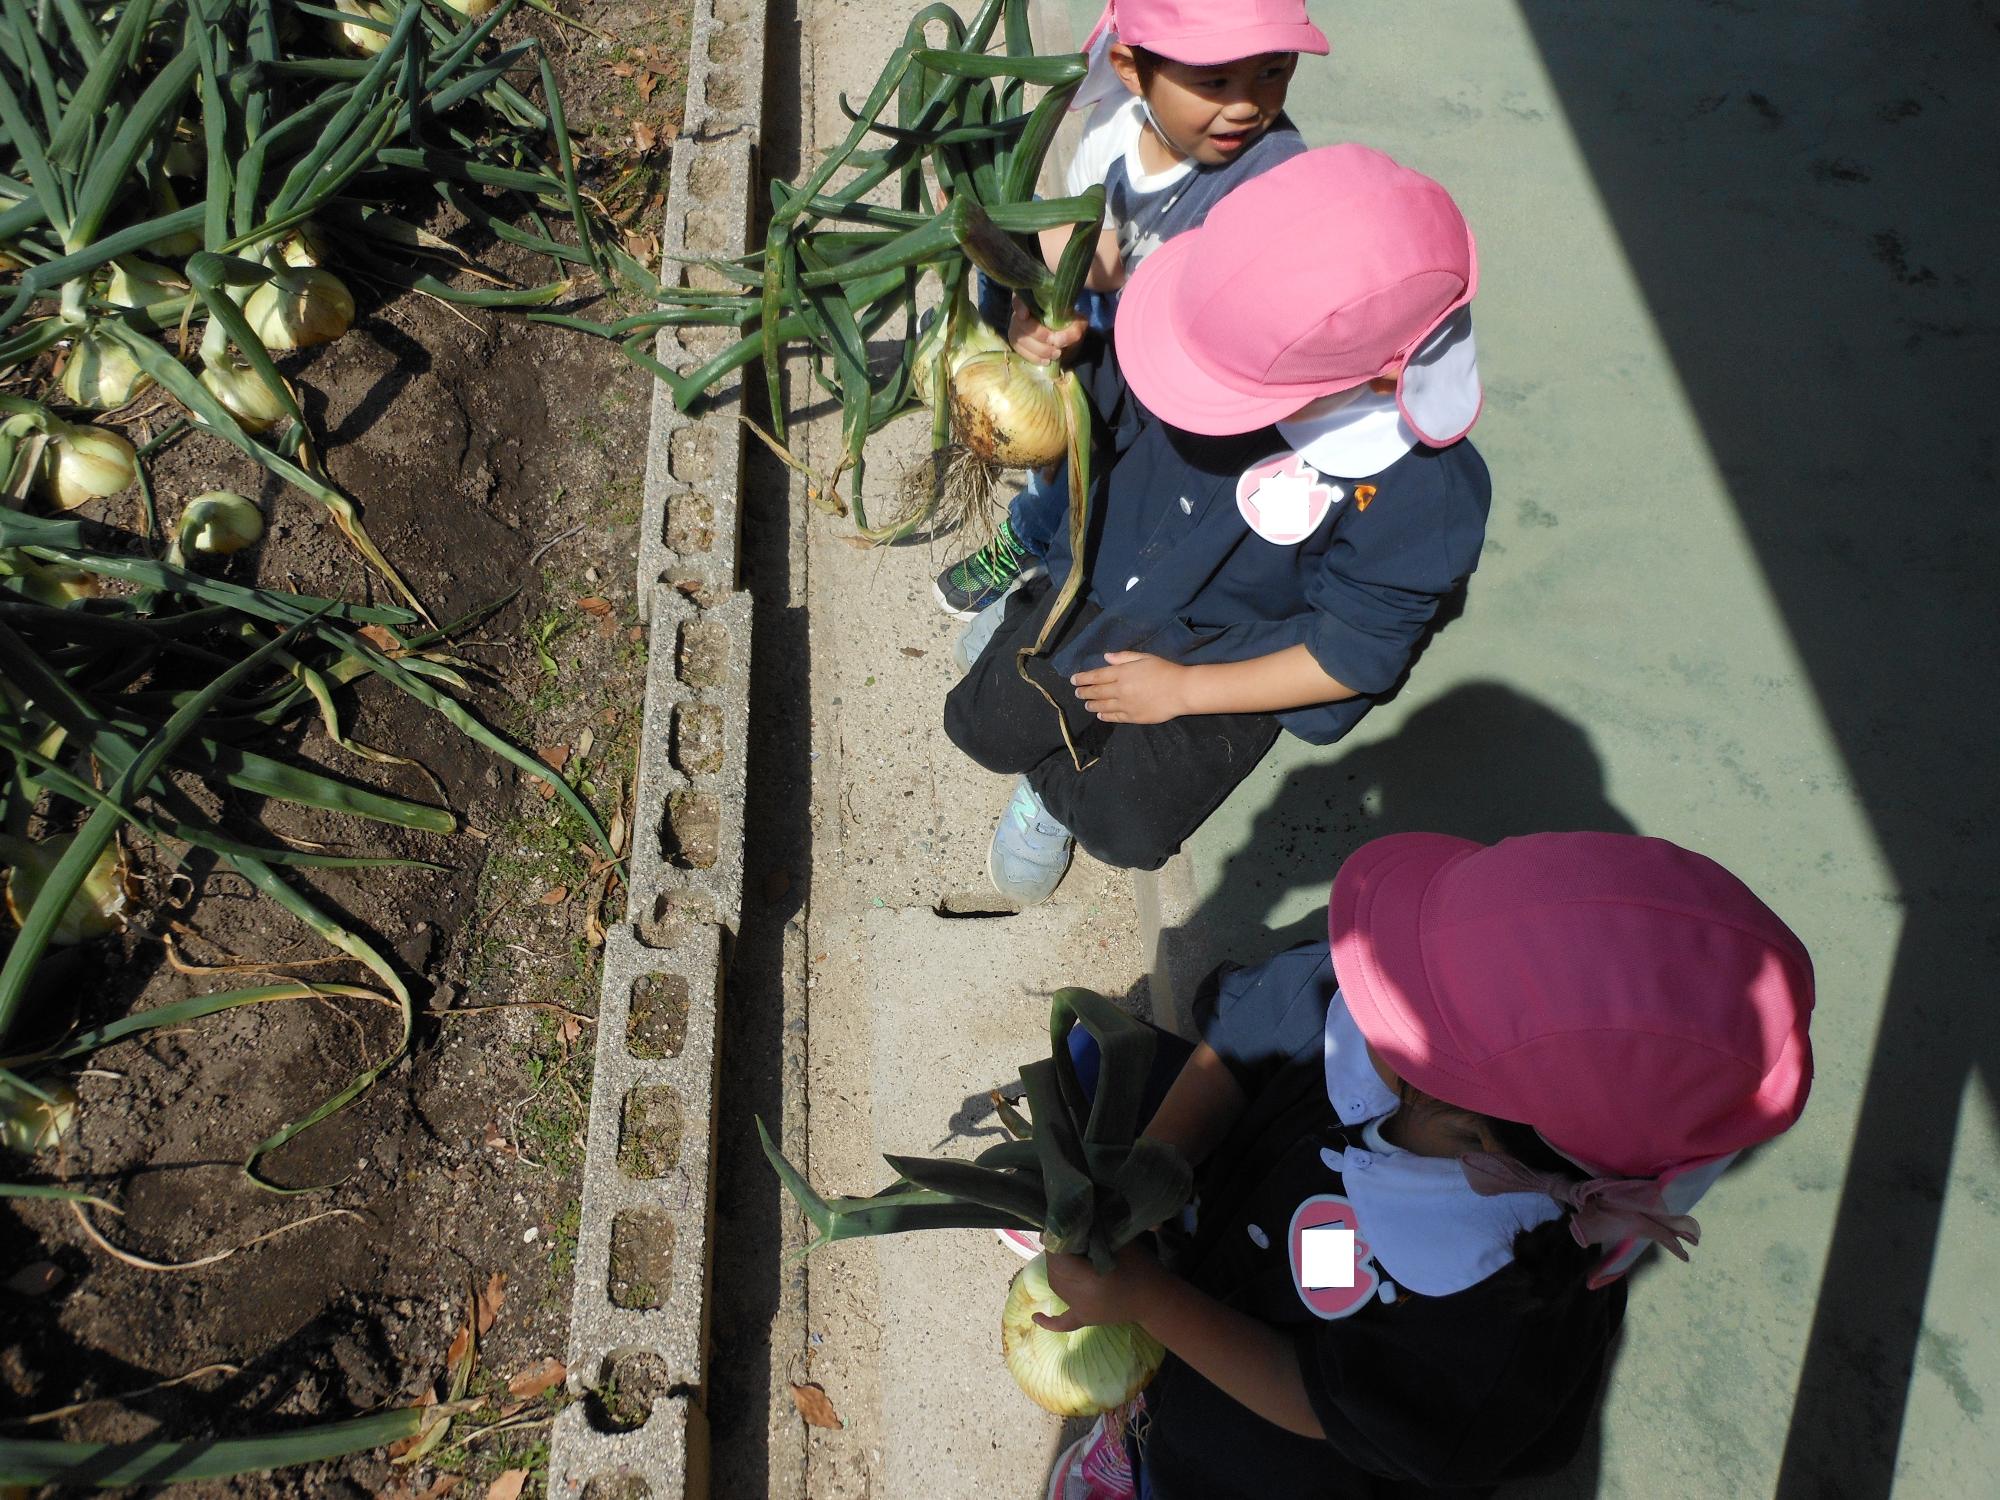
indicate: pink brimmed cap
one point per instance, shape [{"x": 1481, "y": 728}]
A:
[
  {"x": 1631, "y": 1000},
  {"x": 1334, "y": 268},
  {"x": 1203, "y": 32}
]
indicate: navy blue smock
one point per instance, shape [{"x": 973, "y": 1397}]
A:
[
  {"x": 1179, "y": 573},
  {"x": 1415, "y": 1395}
]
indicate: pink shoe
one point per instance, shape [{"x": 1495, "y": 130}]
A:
[
  {"x": 1095, "y": 1466},
  {"x": 1023, "y": 1242}
]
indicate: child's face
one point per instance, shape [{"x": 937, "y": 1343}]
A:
[{"x": 1211, "y": 113}]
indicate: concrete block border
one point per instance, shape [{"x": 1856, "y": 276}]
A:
[{"x": 639, "y": 1308}]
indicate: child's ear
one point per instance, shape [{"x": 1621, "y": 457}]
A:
[{"x": 1126, "y": 66}]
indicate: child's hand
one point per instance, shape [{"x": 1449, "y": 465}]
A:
[
  {"x": 1032, "y": 339},
  {"x": 1118, "y": 1298},
  {"x": 1134, "y": 688}
]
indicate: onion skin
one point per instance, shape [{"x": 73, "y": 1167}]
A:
[
  {"x": 1007, "y": 410},
  {"x": 1078, "y": 1374}
]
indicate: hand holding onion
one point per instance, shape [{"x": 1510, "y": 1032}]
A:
[
  {"x": 1094, "y": 1298},
  {"x": 1033, "y": 339}
]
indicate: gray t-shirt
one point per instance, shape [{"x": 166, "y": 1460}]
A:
[{"x": 1146, "y": 208}]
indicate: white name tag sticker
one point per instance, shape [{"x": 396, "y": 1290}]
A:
[
  {"x": 1326, "y": 1257},
  {"x": 1284, "y": 499}
]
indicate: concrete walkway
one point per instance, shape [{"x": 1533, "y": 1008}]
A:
[{"x": 1737, "y": 334}]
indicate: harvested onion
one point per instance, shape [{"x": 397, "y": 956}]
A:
[
  {"x": 1076, "y": 1374},
  {"x": 1007, "y": 410}
]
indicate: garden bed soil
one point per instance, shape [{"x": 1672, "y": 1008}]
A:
[{"x": 495, "y": 460}]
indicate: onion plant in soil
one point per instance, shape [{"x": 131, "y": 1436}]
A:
[{"x": 460, "y": 1159}]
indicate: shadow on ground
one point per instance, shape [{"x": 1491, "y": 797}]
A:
[{"x": 1806, "y": 203}]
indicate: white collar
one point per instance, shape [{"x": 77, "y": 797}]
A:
[
  {"x": 1351, "y": 434},
  {"x": 1428, "y": 1230},
  {"x": 1142, "y": 180}
]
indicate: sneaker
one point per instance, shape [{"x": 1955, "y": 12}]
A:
[
  {"x": 1025, "y": 1243},
  {"x": 972, "y": 583},
  {"x": 1030, "y": 849},
  {"x": 1095, "y": 1466},
  {"x": 976, "y": 637}
]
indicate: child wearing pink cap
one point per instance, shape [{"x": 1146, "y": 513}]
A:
[
  {"x": 1185, "y": 101},
  {"x": 1426, "y": 1157},
  {"x": 1288, "y": 500}
]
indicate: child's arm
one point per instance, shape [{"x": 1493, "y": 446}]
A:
[
  {"x": 1249, "y": 1361},
  {"x": 1203, "y": 1103},
  {"x": 1137, "y": 688}
]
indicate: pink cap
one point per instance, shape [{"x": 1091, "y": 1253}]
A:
[
  {"x": 1630, "y": 1000},
  {"x": 1202, "y": 32},
  {"x": 1329, "y": 270}
]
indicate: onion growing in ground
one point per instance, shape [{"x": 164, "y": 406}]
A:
[
  {"x": 141, "y": 283},
  {"x": 101, "y": 375},
  {"x": 1071, "y": 1374},
  {"x": 1081, "y": 1175},
  {"x": 364, "y": 41},
  {"x": 242, "y": 392},
  {"x": 83, "y": 463},
  {"x": 299, "y": 307},
  {"x": 96, "y": 910},
  {"x": 216, "y": 524}
]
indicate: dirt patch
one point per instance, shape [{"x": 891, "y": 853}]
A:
[{"x": 494, "y": 460}]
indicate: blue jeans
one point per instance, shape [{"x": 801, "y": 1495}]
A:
[{"x": 1035, "y": 514}]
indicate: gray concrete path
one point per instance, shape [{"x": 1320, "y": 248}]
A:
[
  {"x": 1736, "y": 321},
  {"x": 914, "y": 1015},
  {"x": 1737, "y": 326}
]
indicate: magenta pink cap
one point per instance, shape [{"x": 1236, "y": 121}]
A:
[
  {"x": 1203, "y": 32},
  {"x": 1329, "y": 270},
  {"x": 1631, "y": 1000}
]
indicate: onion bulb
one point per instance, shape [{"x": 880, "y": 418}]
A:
[
  {"x": 364, "y": 40},
  {"x": 84, "y": 463},
  {"x": 141, "y": 283},
  {"x": 96, "y": 910},
  {"x": 29, "y": 1122},
  {"x": 472, "y": 10},
  {"x": 1007, "y": 409},
  {"x": 299, "y": 307},
  {"x": 55, "y": 584},
  {"x": 217, "y": 524},
  {"x": 1071, "y": 1374},
  {"x": 101, "y": 374},
  {"x": 242, "y": 391}
]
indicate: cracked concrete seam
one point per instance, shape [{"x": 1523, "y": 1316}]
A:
[{"x": 643, "y": 1247}]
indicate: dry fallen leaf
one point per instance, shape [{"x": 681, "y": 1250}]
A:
[
  {"x": 538, "y": 1377},
  {"x": 378, "y": 637},
  {"x": 555, "y": 757},
  {"x": 636, "y": 633},
  {"x": 446, "y": 1483},
  {"x": 571, "y": 1028},
  {"x": 647, "y": 83},
  {"x": 461, "y": 1345},
  {"x": 508, "y": 1486},
  {"x": 585, "y": 742},
  {"x": 644, "y": 136},
  {"x": 594, "y": 605},
  {"x": 814, "y": 1405},
  {"x": 913, "y": 651},
  {"x": 546, "y": 792},
  {"x": 555, "y": 895},
  {"x": 491, "y": 1299}
]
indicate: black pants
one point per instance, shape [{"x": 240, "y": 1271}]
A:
[{"x": 1150, "y": 785}]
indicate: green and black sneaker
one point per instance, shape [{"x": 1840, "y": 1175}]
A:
[{"x": 970, "y": 584}]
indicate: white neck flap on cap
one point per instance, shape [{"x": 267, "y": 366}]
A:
[
  {"x": 1351, "y": 434},
  {"x": 1428, "y": 1230}
]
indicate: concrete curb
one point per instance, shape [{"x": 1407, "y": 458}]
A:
[{"x": 639, "y": 1308}]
